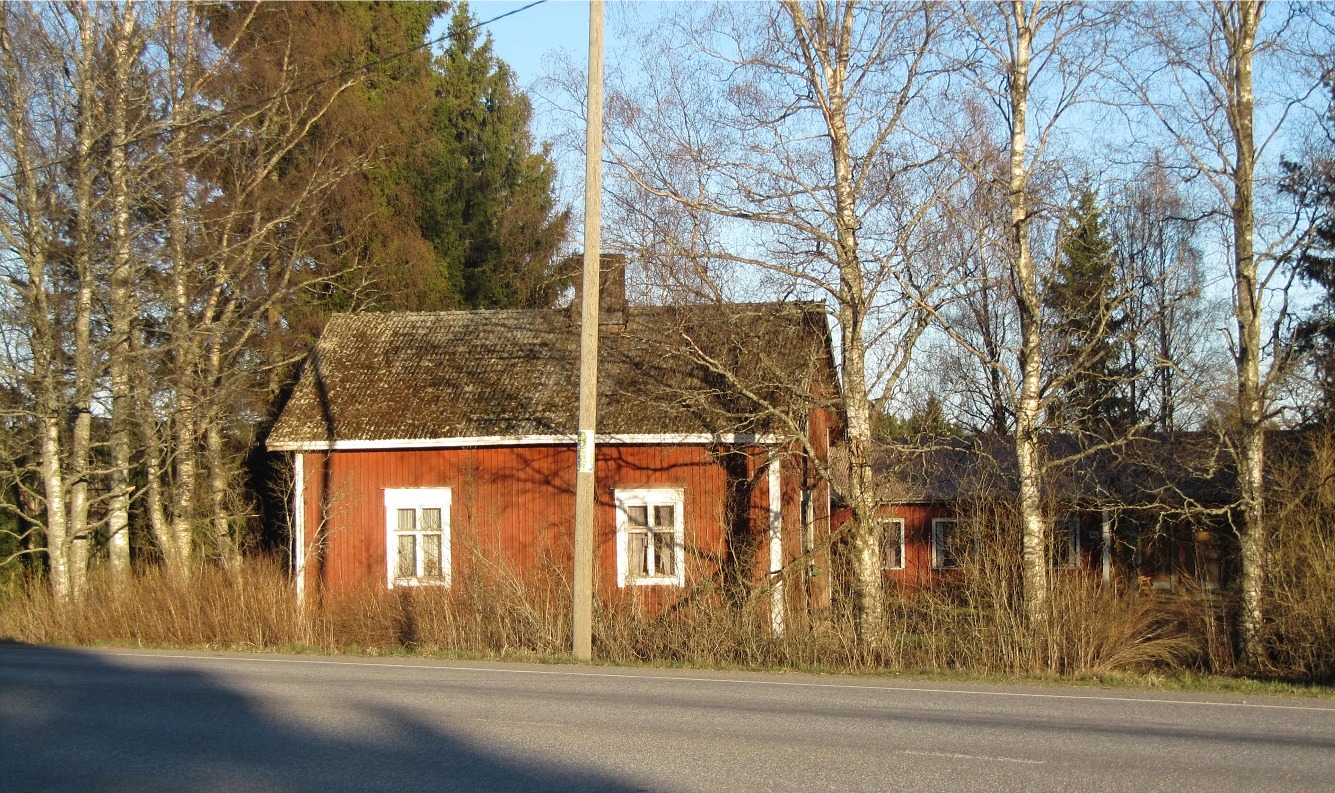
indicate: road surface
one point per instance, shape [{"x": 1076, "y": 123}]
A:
[{"x": 123, "y": 720}]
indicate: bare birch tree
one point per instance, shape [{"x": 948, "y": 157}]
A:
[
  {"x": 785, "y": 134},
  {"x": 235, "y": 252},
  {"x": 153, "y": 223},
  {"x": 121, "y": 52},
  {"x": 1028, "y": 54},
  {"x": 1204, "y": 57},
  {"x": 51, "y": 128}
]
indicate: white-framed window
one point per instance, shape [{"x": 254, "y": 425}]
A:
[
  {"x": 1066, "y": 542},
  {"x": 417, "y": 536},
  {"x": 651, "y": 542},
  {"x": 948, "y": 545},
  {"x": 892, "y": 543}
]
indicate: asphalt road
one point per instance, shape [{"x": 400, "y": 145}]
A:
[{"x": 112, "y": 720}]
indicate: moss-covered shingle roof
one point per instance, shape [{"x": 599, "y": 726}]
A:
[{"x": 466, "y": 374}]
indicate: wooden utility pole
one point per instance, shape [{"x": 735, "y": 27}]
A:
[{"x": 582, "y": 629}]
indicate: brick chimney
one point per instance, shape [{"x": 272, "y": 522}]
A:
[{"x": 611, "y": 290}]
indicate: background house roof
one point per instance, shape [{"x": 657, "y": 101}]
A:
[
  {"x": 1164, "y": 470},
  {"x": 461, "y": 374}
]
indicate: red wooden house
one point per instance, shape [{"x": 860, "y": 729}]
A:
[
  {"x": 423, "y": 441},
  {"x": 1151, "y": 512}
]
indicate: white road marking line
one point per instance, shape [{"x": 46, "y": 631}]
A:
[
  {"x": 543, "y": 724},
  {"x": 984, "y": 757},
  {"x": 737, "y": 681}
]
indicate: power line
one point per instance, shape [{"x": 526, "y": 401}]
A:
[{"x": 365, "y": 67}]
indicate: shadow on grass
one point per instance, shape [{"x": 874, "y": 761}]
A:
[{"x": 74, "y": 720}]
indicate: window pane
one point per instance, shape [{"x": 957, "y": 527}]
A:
[
  {"x": 665, "y": 557},
  {"x": 431, "y": 554},
  {"x": 1063, "y": 543},
  {"x": 948, "y": 543},
  {"x": 1209, "y": 560},
  {"x": 637, "y": 515},
  {"x": 407, "y": 519},
  {"x": 407, "y": 567},
  {"x": 894, "y": 544},
  {"x": 431, "y": 519},
  {"x": 663, "y": 516},
  {"x": 637, "y": 554}
]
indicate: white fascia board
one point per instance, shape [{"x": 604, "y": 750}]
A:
[{"x": 669, "y": 439}]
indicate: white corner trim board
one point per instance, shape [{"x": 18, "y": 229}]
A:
[
  {"x": 299, "y": 524},
  {"x": 667, "y": 439}
]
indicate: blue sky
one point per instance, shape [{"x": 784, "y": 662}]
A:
[{"x": 524, "y": 39}]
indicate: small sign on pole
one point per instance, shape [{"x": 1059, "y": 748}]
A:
[{"x": 585, "y": 465}]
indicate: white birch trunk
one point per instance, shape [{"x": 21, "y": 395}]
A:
[
  {"x": 175, "y": 540},
  {"x": 28, "y": 237},
  {"x": 122, "y": 297},
  {"x": 218, "y": 472},
  {"x": 80, "y": 452},
  {"x": 1033, "y": 524},
  {"x": 830, "y": 41},
  {"x": 1240, "y": 22}
]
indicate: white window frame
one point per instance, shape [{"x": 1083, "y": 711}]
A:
[
  {"x": 650, "y": 497},
  {"x": 891, "y": 528},
  {"x": 938, "y": 543},
  {"x": 1071, "y": 523},
  {"x": 417, "y": 498}
]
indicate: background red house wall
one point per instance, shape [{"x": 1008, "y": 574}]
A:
[
  {"x": 917, "y": 538},
  {"x": 516, "y": 505},
  {"x": 918, "y": 518}
]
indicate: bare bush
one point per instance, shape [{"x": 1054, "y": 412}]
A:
[{"x": 1300, "y": 592}]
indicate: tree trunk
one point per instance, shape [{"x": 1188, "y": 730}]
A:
[
  {"x": 150, "y": 446},
  {"x": 868, "y": 578},
  {"x": 123, "y": 309},
  {"x": 85, "y": 242},
  {"x": 28, "y": 236},
  {"x": 1240, "y": 22},
  {"x": 215, "y": 459},
  {"x": 1034, "y": 530},
  {"x": 175, "y": 540}
]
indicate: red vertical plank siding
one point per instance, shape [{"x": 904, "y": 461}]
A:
[
  {"x": 917, "y": 540},
  {"x": 312, "y": 464},
  {"x": 515, "y": 505}
]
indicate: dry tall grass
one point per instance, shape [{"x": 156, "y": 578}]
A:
[
  {"x": 251, "y": 607},
  {"x": 972, "y": 620},
  {"x": 970, "y": 624}
]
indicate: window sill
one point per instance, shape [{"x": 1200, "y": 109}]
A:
[{"x": 672, "y": 581}]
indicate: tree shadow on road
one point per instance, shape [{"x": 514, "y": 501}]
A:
[{"x": 73, "y": 720}]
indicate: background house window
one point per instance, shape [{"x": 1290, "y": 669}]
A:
[
  {"x": 947, "y": 543},
  {"x": 417, "y": 536},
  {"x": 892, "y": 543},
  {"x": 651, "y": 547},
  {"x": 1066, "y": 542},
  {"x": 1209, "y": 559}
]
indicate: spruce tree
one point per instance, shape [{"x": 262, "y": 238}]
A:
[
  {"x": 487, "y": 207},
  {"x": 1312, "y": 183},
  {"x": 1085, "y": 325},
  {"x": 444, "y": 201}
]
